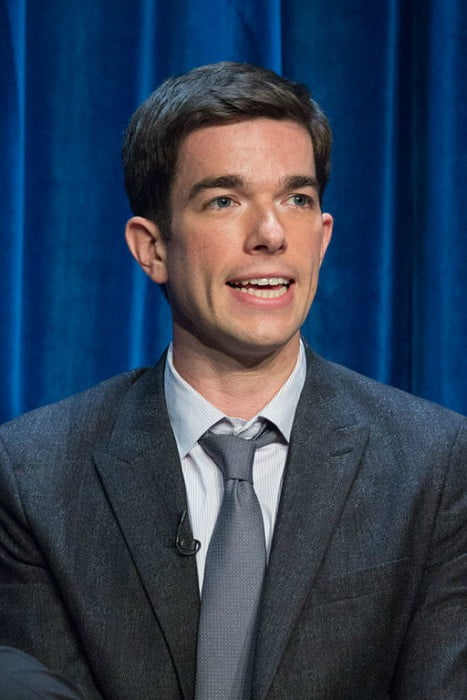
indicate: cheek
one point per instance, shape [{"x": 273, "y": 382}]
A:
[
  {"x": 191, "y": 270},
  {"x": 206, "y": 259}
]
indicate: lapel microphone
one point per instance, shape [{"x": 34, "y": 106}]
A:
[{"x": 185, "y": 546}]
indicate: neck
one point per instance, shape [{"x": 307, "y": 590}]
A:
[{"x": 239, "y": 387}]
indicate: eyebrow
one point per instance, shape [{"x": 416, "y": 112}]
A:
[
  {"x": 292, "y": 182},
  {"x": 296, "y": 182},
  {"x": 209, "y": 183}
]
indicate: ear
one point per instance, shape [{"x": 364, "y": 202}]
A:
[
  {"x": 148, "y": 247},
  {"x": 326, "y": 234}
]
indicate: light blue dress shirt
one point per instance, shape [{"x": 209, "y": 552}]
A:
[{"x": 191, "y": 415}]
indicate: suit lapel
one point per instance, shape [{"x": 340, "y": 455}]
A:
[
  {"x": 325, "y": 451},
  {"x": 140, "y": 471}
]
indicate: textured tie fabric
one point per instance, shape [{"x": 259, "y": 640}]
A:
[{"x": 235, "y": 566}]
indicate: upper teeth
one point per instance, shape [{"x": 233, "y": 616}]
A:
[{"x": 264, "y": 281}]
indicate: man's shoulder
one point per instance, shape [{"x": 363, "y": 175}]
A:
[
  {"x": 84, "y": 414},
  {"x": 49, "y": 453},
  {"x": 377, "y": 403}
]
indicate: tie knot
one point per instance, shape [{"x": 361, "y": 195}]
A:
[{"x": 234, "y": 455}]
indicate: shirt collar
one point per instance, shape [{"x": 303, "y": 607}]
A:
[{"x": 191, "y": 415}]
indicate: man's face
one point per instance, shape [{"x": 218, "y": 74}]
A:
[{"x": 247, "y": 237}]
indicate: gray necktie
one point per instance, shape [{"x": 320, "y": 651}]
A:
[{"x": 235, "y": 566}]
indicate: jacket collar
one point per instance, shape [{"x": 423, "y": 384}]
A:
[
  {"x": 140, "y": 471},
  {"x": 325, "y": 453}
]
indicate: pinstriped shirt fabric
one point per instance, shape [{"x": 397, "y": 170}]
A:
[{"x": 191, "y": 415}]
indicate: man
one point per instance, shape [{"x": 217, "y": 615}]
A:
[
  {"x": 22, "y": 678},
  {"x": 110, "y": 500}
]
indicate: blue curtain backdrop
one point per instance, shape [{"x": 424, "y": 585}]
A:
[{"x": 392, "y": 76}]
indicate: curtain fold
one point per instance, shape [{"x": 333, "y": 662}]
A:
[{"x": 392, "y": 79}]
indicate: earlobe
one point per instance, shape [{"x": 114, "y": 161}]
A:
[{"x": 148, "y": 247}]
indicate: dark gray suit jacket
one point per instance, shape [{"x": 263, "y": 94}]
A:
[{"x": 366, "y": 590}]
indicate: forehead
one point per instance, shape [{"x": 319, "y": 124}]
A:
[{"x": 250, "y": 147}]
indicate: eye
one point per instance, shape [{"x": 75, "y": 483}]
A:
[
  {"x": 301, "y": 200},
  {"x": 222, "y": 202}
]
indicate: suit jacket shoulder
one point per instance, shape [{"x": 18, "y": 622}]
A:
[
  {"x": 86, "y": 415},
  {"x": 349, "y": 396},
  {"x": 364, "y": 596},
  {"x": 91, "y": 495}
]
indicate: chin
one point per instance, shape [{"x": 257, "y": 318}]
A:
[{"x": 258, "y": 346}]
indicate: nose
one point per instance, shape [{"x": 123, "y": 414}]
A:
[{"x": 266, "y": 234}]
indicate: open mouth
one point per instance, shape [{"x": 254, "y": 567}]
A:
[{"x": 263, "y": 287}]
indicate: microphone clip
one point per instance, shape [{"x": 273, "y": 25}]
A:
[{"x": 185, "y": 546}]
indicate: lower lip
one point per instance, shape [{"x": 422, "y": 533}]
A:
[{"x": 252, "y": 301}]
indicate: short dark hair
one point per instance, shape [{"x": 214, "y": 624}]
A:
[{"x": 219, "y": 93}]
